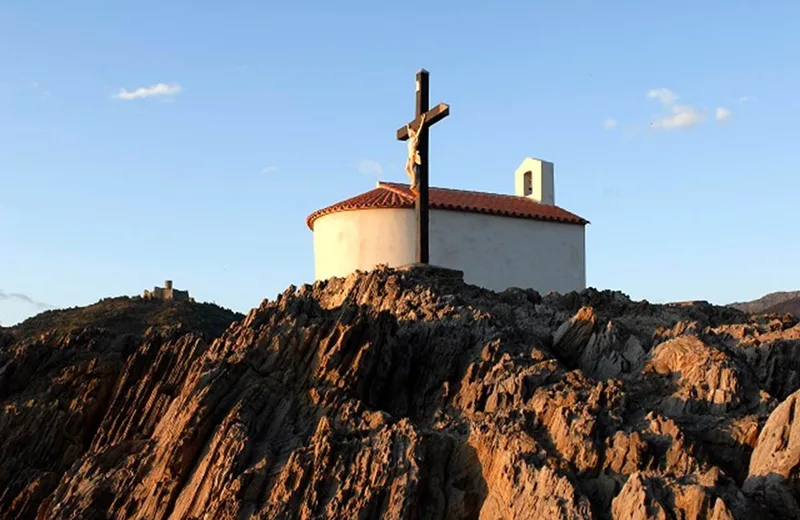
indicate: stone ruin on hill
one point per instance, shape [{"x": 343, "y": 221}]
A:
[{"x": 167, "y": 293}]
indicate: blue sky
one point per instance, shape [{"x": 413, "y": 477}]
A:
[{"x": 267, "y": 111}]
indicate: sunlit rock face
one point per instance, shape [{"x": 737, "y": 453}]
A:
[{"x": 408, "y": 394}]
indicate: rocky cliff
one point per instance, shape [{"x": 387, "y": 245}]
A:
[{"x": 410, "y": 395}]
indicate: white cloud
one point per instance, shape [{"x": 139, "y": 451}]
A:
[
  {"x": 161, "y": 89},
  {"x": 723, "y": 114},
  {"x": 25, "y": 299},
  {"x": 665, "y": 95},
  {"x": 370, "y": 167},
  {"x": 16, "y": 307},
  {"x": 610, "y": 123},
  {"x": 270, "y": 169},
  {"x": 683, "y": 116}
]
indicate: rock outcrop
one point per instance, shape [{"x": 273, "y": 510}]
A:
[
  {"x": 404, "y": 395},
  {"x": 774, "y": 475}
]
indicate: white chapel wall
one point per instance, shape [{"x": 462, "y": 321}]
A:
[
  {"x": 500, "y": 252},
  {"x": 361, "y": 239},
  {"x": 493, "y": 252}
]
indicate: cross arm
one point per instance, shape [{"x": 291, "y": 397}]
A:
[{"x": 432, "y": 116}]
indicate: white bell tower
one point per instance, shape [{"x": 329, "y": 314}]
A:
[{"x": 534, "y": 179}]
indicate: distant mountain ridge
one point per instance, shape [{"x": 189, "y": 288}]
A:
[
  {"x": 771, "y": 303},
  {"x": 786, "y": 307}
]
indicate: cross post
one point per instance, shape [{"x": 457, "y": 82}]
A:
[{"x": 431, "y": 117}]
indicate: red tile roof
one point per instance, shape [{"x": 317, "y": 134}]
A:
[{"x": 395, "y": 195}]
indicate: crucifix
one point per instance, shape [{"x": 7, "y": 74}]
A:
[{"x": 416, "y": 132}]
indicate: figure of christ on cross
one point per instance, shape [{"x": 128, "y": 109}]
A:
[
  {"x": 413, "y": 161},
  {"x": 416, "y": 132}
]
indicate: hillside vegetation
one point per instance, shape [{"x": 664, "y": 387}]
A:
[{"x": 130, "y": 315}]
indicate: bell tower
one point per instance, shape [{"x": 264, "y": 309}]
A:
[{"x": 534, "y": 179}]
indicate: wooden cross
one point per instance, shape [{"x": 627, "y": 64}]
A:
[{"x": 432, "y": 117}]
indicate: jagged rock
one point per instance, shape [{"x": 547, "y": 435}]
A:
[
  {"x": 696, "y": 497},
  {"x": 712, "y": 394},
  {"x": 54, "y": 394},
  {"x": 705, "y": 380},
  {"x": 572, "y": 336},
  {"x": 775, "y": 464},
  {"x": 600, "y": 352},
  {"x": 776, "y": 362},
  {"x": 402, "y": 394}
]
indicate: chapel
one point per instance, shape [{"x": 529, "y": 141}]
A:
[{"x": 497, "y": 240}]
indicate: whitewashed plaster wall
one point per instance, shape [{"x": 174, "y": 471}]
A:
[
  {"x": 361, "y": 239},
  {"x": 493, "y": 251}
]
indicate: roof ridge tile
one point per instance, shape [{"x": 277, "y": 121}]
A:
[{"x": 390, "y": 195}]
